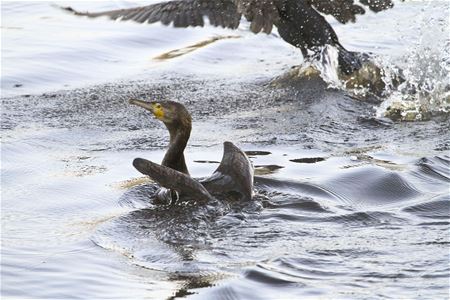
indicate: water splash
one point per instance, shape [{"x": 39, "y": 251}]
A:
[
  {"x": 426, "y": 90},
  {"x": 328, "y": 66},
  {"x": 366, "y": 83},
  {"x": 425, "y": 69},
  {"x": 412, "y": 86}
]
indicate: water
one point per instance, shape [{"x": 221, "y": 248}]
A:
[
  {"x": 348, "y": 205},
  {"x": 39, "y": 58}
]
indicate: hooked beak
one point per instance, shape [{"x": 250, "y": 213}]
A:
[
  {"x": 147, "y": 105},
  {"x": 154, "y": 107}
]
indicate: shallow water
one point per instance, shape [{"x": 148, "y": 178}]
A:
[{"x": 347, "y": 205}]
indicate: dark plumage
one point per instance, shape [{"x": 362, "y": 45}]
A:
[
  {"x": 234, "y": 174},
  {"x": 298, "y": 21}
]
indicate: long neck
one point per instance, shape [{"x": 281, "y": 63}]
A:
[{"x": 174, "y": 158}]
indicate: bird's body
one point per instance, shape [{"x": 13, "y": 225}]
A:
[
  {"x": 290, "y": 27},
  {"x": 299, "y": 22},
  {"x": 234, "y": 174}
]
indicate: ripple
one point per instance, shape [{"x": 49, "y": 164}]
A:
[
  {"x": 371, "y": 186},
  {"x": 434, "y": 168},
  {"x": 306, "y": 268},
  {"x": 436, "y": 209},
  {"x": 293, "y": 188},
  {"x": 269, "y": 277},
  {"x": 140, "y": 196},
  {"x": 374, "y": 218},
  {"x": 283, "y": 201}
]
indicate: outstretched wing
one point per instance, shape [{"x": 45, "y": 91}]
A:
[
  {"x": 172, "y": 179},
  {"x": 234, "y": 174},
  {"x": 262, "y": 14},
  {"x": 182, "y": 13},
  {"x": 346, "y": 10}
]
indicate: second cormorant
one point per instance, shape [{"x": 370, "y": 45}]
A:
[{"x": 233, "y": 176}]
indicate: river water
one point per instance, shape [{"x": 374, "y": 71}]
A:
[{"x": 348, "y": 204}]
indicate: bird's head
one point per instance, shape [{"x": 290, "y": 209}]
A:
[{"x": 172, "y": 114}]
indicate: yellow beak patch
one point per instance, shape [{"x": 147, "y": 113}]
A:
[{"x": 158, "y": 111}]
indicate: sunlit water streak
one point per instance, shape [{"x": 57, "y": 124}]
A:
[{"x": 347, "y": 205}]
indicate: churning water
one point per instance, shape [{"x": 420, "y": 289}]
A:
[{"x": 349, "y": 204}]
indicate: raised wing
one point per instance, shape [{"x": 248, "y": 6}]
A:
[
  {"x": 262, "y": 14},
  {"x": 346, "y": 10},
  {"x": 181, "y": 13},
  {"x": 234, "y": 174},
  {"x": 172, "y": 179}
]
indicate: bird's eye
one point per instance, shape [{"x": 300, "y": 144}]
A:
[{"x": 158, "y": 105}]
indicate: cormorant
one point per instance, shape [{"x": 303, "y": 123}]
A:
[
  {"x": 299, "y": 22},
  {"x": 234, "y": 174}
]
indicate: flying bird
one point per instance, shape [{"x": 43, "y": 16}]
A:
[{"x": 299, "y": 22}]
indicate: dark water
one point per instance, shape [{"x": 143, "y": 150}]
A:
[{"x": 347, "y": 205}]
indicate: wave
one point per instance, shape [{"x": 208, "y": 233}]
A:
[
  {"x": 371, "y": 186},
  {"x": 438, "y": 208},
  {"x": 434, "y": 168}
]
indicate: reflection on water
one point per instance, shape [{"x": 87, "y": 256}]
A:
[
  {"x": 346, "y": 206},
  {"x": 179, "y": 52}
]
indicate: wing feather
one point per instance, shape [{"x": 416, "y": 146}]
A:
[
  {"x": 262, "y": 14},
  {"x": 346, "y": 10},
  {"x": 234, "y": 174},
  {"x": 196, "y": 19},
  {"x": 180, "y": 20},
  {"x": 153, "y": 16},
  {"x": 143, "y": 17},
  {"x": 165, "y": 17},
  {"x": 172, "y": 179},
  {"x": 182, "y": 13},
  {"x": 131, "y": 15}
]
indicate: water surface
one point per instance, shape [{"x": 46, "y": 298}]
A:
[{"x": 348, "y": 205}]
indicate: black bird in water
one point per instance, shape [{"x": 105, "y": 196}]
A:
[
  {"x": 233, "y": 176},
  {"x": 299, "y": 22}
]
